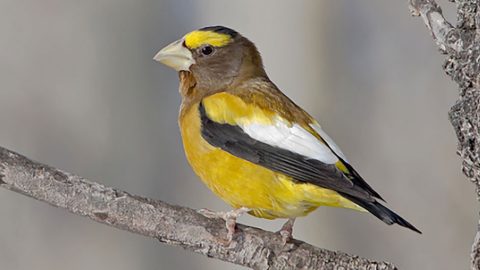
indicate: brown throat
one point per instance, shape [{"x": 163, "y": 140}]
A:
[
  {"x": 189, "y": 89},
  {"x": 187, "y": 84}
]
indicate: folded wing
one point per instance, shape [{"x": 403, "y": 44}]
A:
[{"x": 272, "y": 142}]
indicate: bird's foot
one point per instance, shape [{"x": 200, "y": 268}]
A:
[
  {"x": 230, "y": 218},
  {"x": 287, "y": 230}
]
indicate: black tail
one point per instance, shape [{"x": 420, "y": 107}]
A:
[{"x": 381, "y": 212}]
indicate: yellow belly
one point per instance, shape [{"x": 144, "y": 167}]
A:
[{"x": 244, "y": 184}]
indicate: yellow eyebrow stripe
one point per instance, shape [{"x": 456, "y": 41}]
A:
[{"x": 198, "y": 38}]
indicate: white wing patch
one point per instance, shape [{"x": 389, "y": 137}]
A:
[
  {"x": 329, "y": 141},
  {"x": 291, "y": 137}
]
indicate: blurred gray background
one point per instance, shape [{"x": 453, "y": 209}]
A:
[{"x": 80, "y": 91}]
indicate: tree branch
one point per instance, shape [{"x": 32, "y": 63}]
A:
[
  {"x": 462, "y": 45},
  {"x": 442, "y": 31},
  {"x": 173, "y": 225}
]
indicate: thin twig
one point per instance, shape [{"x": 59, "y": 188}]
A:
[{"x": 442, "y": 31}]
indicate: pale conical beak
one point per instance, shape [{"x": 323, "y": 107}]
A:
[{"x": 175, "y": 56}]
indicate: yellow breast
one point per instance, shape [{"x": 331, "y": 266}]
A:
[{"x": 244, "y": 184}]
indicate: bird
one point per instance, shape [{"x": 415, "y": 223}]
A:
[{"x": 251, "y": 144}]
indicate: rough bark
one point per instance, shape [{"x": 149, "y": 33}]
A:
[
  {"x": 461, "y": 44},
  {"x": 170, "y": 224}
]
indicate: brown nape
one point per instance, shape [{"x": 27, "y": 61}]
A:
[{"x": 252, "y": 64}]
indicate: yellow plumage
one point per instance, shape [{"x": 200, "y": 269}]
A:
[
  {"x": 242, "y": 183},
  {"x": 253, "y": 146}
]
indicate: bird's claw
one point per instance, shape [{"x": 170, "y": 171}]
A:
[
  {"x": 286, "y": 236},
  {"x": 286, "y": 231},
  {"x": 230, "y": 218}
]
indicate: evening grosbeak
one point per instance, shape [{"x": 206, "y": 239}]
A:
[{"x": 253, "y": 146}]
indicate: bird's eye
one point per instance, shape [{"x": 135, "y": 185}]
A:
[{"x": 207, "y": 50}]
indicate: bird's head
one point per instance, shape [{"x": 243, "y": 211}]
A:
[{"x": 215, "y": 56}]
